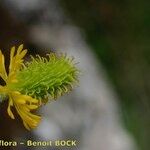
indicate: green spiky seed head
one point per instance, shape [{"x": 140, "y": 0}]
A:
[{"x": 46, "y": 78}]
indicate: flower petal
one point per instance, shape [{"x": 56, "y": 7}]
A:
[
  {"x": 24, "y": 104},
  {"x": 20, "y": 48},
  {"x": 9, "y": 109},
  {"x": 32, "y": 107},
  {"x": 26, "y": 125},
  {"x": 16, "y": 60},
  {"x": 3, "y": 73}
]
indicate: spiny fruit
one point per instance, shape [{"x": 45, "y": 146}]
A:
[{"x": 46, "y": 78}]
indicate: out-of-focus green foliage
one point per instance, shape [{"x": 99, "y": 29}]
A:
[{"x": 119, "y": 33}]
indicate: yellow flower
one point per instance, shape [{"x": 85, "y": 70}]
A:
[{"x": 24, "y": 104}]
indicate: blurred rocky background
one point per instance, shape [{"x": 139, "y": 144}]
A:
[{"x": 110, "y": 110}]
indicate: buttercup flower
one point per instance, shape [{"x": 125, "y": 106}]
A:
[
  {"x": 24, "y": 104},
  {"x": 31, "y": 84}
]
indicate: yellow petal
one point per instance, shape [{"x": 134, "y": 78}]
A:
[
  {"x": 32, "y": 107},
  {"x": 33, "y": 100},
  {"x": 26, "y": 126},
  {"x": 30, "y": 120},
  {"x": 3, "y": 73},
  {"x": 12, "y": 53},
  {"x": 21, "y": 55},
  {"x": 20, "y": 101},
  {"x": 20, "y": 48},
  {"x": 10, "y": 113},
  {"x": 16, "y": 61},
  {"x": 23, "y": 105},
  {"x": 9, "y": 109}
]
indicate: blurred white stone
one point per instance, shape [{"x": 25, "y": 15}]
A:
[
  {"x": 48, "y": 130},
  {"x": 96, "y": 109}
]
